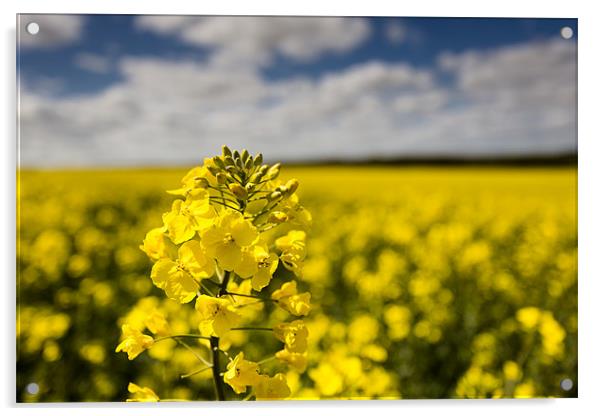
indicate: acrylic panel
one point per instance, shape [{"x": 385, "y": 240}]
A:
[{"x": 306, "y": 208}]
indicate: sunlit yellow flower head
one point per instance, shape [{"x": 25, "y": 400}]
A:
[
  {"x": 135, "y": 342},
  {"x": 232, "y": 224}
]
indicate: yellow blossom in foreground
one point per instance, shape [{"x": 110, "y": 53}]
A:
[
  {"x": 293, "y": 334},
  {"x": 227, "y": 237},
  {"x": 289, "y": 300},
  {"x": 272, "y": 388},
  {"x": 267, "y": 263},
  {"x": 135, "y": 342},
  {"x": 177, "y": 278},
  {"x": 217, "y": 315},
  {"x": 241, "y": 373},
  {"x": 296, "y": 360},
  {"x": 141, "y": 394},
  {"x": 187, "y": 217}
]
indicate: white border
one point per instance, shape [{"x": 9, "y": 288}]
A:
[{"x": 590, "y": 204}]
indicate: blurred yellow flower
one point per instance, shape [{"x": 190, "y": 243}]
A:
[
  {"x": 157, "y": 324},
  {"x": 272, "y": 388},
  {"x": 141, "y": 394},
  {"x": 296, "y": 360},
  {"x": 327, "y": 380},
  {"x": 528, "y": 317}
]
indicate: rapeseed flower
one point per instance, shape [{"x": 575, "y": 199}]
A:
[
  {"x": 141, "y": 394},
  {"x": 217, "y": 315},
  {"x": 135, "y": 342},
  {"x": 241, "y": 373},
  {"x": 295, "y": 303}
]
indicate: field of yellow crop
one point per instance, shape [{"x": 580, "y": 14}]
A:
[{"x": 426, "y": 282}]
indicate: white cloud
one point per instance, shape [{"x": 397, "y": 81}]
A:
[
  {"x": 98, "y": 64},
  {"x": 514, "y": 100},
  {"x": 255, "y": 40},
  {"x": 55, "y": 30},
  {"x": 396, "y": 32}
]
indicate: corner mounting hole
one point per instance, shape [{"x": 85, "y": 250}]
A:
[
  {"x": 32, "y": 388},
  {"x": 32, "y": 28},
  {"x": 566, "y": 384},
  {"x": 566, "y": 32}
]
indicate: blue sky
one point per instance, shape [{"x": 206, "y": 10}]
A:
[{"x": 153, "y": 90}]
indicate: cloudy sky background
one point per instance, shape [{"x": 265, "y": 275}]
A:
[{"x": 168, "y": 90}]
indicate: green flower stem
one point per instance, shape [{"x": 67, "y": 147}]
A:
[
  {"x": 223, "y": 288},
  {"x": 217, "y": 379},
  {"x": 189, "y": 348},
  {"x": 196, "y": 372},
  {"x": 206, "y": 289},
  {"x": 226, "y": 205},
  {"x": 266, "y": 360}
]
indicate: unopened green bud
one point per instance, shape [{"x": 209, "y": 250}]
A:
[
  {"x": 275, "y": 195},
  {"x": 229, "y": 161},
  {"x": 263, "y": 169},
  {"x": 292, "y": 185},
  {"x": 221, "y": 178},
  {"x": 277, "y": 217},
  {"x": 245, "y": 155},
  {"x": 226, "y": 151},
  {"x": 202, "y": 182},
  {"x": 238, "y": 191},
  {"x": 258, "y": 159},
  {"x": 219, "y": 162},
  {"x": 214, "y": 170},
  {"x": 249, "y": 164},
  {"x": 274, "y": 171},
  {"x": 239, "y": 163},
  {"x": 236, "y": 155},
  {"x": 231, "y": 169}
]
